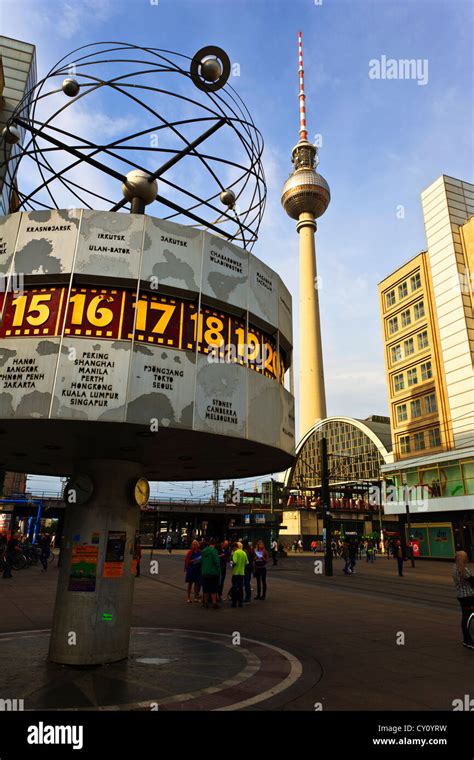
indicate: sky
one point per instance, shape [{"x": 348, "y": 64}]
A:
[{"x": 382, "y": 141}]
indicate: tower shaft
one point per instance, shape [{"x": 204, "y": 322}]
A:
[{"x": 312, "y": 390}]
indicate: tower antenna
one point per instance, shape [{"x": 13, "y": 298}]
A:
[{"x": 302, "y": 96}]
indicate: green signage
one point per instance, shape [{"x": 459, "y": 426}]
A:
[{"x": 441, "y": 541}]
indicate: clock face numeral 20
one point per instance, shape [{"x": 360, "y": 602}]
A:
[{"x": 115, "y": 314}]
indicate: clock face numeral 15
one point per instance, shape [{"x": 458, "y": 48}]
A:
[{"x": 33, "y": 312}]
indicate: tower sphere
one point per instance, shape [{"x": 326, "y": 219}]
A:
[
  {"x": 305, "y": 191},
  {"x": 138, "y": 186}
]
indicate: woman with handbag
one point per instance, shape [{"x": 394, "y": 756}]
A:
[{"x": 260, "y": 570}]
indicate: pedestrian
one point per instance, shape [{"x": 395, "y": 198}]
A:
[
  {"x": 210, "y": 574},
  {"x": 334, "y": 549},
  {"x": 275, "y": 552},
  {"x": 370, "y": 551},
  {"x": 352, "y": 555},
  {"x": 260, "y": 570},
  {"x": 345, "y": 556},
  {"x": 45, "y": 551},
  {"x": 249, "y": 550},
  {"x": 11, "y": 549},
  {"x": 464, "y": 583},
  {"x": 239, "y": 561},
  {"x": 400, "y": 557},
  {"x": 224, "y": 558},
  {"x": 192, "y": 565},
  {"x": 139, "y": 556},
  {"x": 300, "y": 545},
  {"x": 168, "y": 544},
  {"x": 361, "y": 548}
]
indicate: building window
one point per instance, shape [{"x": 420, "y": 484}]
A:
[
  {"x": 435, "y": 437},
  {"x": 415, "y": 408},
  {"x": 399, "y": 382},
  {"x": 402, "y": 412},
  {"x": 430, "y": 404},
  {"x": 393, "y": 325},
  {"x": 396, "y": 353},
  {"x": 406, "y": 318},
  {"x": 419, "y": 310},
  {"x": 419, "y": 441},
  {"x": 423, "y": 340},
  {"x": 390, "y": 298},
  {"x": 404, "y": 444},
  {"x": 402, "y": 290},
  {"x": 415, "y": 282},
  {"x": 409, "y": 346},
  {"x": 412, "y": 376},
  {"x": 426, "y": 371}
]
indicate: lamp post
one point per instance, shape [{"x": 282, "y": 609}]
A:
[
  {"x": 325, "y": 505},
  {"x": 408, "y": 520}
]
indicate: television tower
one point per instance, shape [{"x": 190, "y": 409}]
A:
[{"x": 305, "y": 197}]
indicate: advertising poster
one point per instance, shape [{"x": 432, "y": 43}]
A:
[
  {"x": 83, "y": 573},
  {"x": 114, "y": 554}
]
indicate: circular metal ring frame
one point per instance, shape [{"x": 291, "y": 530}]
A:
[{"x": 130, "y": 72}]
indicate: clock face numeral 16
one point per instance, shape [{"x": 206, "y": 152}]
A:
[{"x": 96, "y": 312}]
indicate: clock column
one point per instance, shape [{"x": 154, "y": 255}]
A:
[{"x": 92, "y": 617}]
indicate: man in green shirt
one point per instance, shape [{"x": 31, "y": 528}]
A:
[
  {"x": 210, "y": 574},
  {"x": 239, "y": 561}
]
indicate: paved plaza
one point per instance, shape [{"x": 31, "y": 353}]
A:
[{"x": 314, "y": 643}]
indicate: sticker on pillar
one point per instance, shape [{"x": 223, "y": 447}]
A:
[
  {"x": 83, "y": 572},
  {"x": 114, "y": 554}
]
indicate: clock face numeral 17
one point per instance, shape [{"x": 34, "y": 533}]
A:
[{"x": 158, "y": 320}]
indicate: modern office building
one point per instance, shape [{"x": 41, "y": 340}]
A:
[
  {"x": 17, "y": 77},
  {"x": 357, "y": 449},
  {"x": 426, "y": 308}
]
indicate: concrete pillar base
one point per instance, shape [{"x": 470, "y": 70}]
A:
[{"x": 92, "y": 617}]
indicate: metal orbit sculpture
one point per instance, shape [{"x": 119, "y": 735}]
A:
[{"x": 43, "y": 127}]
